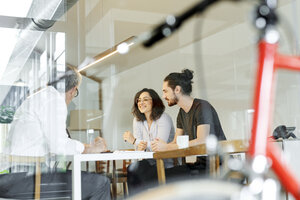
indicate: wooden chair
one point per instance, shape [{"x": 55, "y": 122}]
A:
[
  {"x": 118, "y": 175},
  {"x": 228, "y": 147},
  {"x": 29, "y": 159},
  {"x": 102, "y": 167}
]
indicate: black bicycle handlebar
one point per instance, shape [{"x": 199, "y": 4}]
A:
[{"x": 172, "y": 23}]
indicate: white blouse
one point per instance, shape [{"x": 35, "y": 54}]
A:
[{"x": 161, "y": 128}]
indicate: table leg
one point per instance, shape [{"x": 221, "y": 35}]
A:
[
  {"x": 37, "y": 193},
  {"x": 76, "y": 179},
  {"x": 217, "y": 165},
  {"x": 114, "y": 183},
  {"x": 161, "y": 171},
  {"x": 212, "y": 165}
]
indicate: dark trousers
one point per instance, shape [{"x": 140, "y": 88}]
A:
[
  {"x": 142, "y": 175},
  {"x": 56, "y": 185}
]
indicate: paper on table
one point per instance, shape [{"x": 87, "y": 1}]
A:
[{"x": 118, "y": 151}]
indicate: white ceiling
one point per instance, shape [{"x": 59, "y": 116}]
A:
[
  {"x": 104, "y": 23},
  {"x": 94, "y": 26}
]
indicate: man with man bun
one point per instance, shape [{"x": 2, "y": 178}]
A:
[{"x": 197, "y": 118}]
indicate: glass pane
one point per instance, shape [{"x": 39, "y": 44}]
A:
[{"x": 42, "y": 40}]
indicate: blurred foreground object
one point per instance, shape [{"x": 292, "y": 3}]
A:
[{"x": 193, "y": 189}]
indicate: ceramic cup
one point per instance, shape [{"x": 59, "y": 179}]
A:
[{"x": 182, "y": 141}]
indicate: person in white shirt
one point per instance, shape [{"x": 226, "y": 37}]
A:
[
  {"x": 150, "y": 122},
  {"x": 39, "y": 129}
]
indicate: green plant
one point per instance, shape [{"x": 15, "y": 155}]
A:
[{"x": 6, "y": 114}]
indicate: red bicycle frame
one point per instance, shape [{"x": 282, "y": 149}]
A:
[{"x": 268, "y": 62}]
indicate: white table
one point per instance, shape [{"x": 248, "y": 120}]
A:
[{"x": 77, "y": 159}]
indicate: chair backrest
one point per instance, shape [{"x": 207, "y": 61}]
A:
[
  {"x": 29, "y": 159},
  {"x": 125, "y": 165},
  {"x": 126, "y": 162},
  {"x": 102, "y": 166}
]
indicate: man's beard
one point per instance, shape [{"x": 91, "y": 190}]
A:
[{"x": 173, "y": 101}]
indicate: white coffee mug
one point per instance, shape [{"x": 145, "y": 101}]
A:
[{"x": 182, "y": 141}]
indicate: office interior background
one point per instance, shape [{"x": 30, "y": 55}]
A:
[{"x": 39, "y": 38}]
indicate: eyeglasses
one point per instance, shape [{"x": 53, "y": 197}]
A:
[
  {"x": 77, "y": 93},
  {"x": 146, "y": 100}
]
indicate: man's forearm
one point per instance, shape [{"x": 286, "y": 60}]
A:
[
  {"x": 195, "y": 142},
  {"x": 171, "y": 146},
  {"x": 88, "y": 148}
]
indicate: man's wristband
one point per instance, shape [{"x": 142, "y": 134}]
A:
[{"x": 134, "y": 140}]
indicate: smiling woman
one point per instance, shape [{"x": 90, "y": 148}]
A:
[
  {"x": 147, "y": 106},
  {"x": 150, "y": 122},
  {"x": 150, "y": 119}
]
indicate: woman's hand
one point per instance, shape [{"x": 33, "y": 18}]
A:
[
  {"x": 128, "y": 137},
  {"x": 142, "y": 146}
]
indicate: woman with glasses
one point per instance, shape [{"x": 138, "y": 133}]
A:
[{"x": 150, "y": 122}]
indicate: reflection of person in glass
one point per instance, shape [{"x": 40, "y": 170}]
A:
[
  {"x": 150, "y": 121},
  {"x": 39, "y": 129}
]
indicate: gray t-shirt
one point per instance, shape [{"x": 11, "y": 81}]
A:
[{"x": 201, "y": 112}]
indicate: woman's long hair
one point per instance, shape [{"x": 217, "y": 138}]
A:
[{"x": 157, "y": 105}]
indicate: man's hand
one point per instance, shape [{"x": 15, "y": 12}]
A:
[
  {"x": 142, "y": 146},
  {"x": 98, "y": 146},
  {"x": 159, "y": 145},
  {"x": 127, "y": 136}
]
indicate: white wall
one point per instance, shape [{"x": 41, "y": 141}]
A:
[{"x": 88, "y": 99}]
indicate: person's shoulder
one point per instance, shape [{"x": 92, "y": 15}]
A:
[
  {"x": 55, "y": 92},
  {"x": 49, "y": 93},
  {"x": 196, "y": 100},
  {"x": 136, "y": 122},
  {"x": 45, "y": 96},
  {"x": 203, "y": 105},
  {"x": 201, "y": 102},
  {"x": 165, "y": 116}
]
